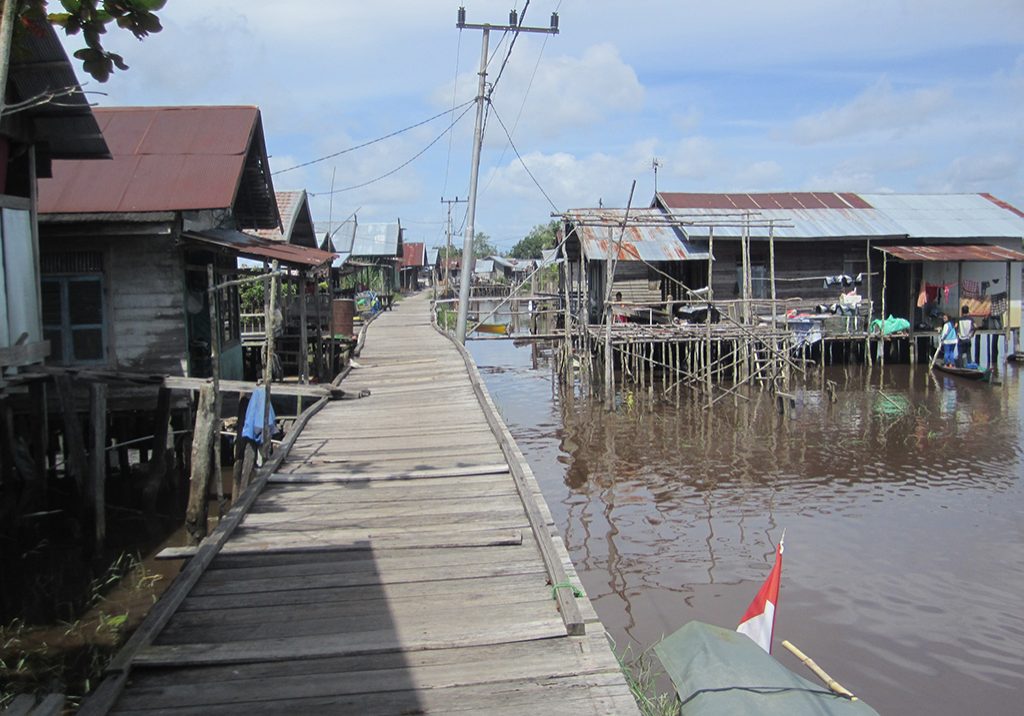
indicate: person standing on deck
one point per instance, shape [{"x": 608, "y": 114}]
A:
[
  {"x": 965, "y": 335},
  {"x": 947, "y": 336}
]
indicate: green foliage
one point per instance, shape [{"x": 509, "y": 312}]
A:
[
  {"x": 483, "y": 246},
  {"x": 91, "y": 18},
  {"x": 641, "y": 677},
  {"x": 542, "y": 236}
]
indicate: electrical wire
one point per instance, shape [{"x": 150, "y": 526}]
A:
[
  {"x": 455, "y": 90},
  {"x": 378, "y": 139},
  {"x": 511, "y": 44},
  {"x": 401, "y": 166},
  {"x": 519, "y": 156}
]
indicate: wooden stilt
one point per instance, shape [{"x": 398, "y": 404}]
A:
[
  {"x": 202, "y": 447},
  {"x": 98, "y": 462}
]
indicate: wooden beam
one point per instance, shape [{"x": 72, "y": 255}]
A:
[
  {"x": 74, "y": 442},
  {"x": 202, "y": 445},
  {"x": 98, "y": 483}
]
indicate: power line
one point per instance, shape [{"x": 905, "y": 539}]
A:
[
  {"x": 403, "y": 164},
  {"x": 518, "y": 156},
  {"x": 378, "y": 139},
  {"x": 511, "y": 44}
]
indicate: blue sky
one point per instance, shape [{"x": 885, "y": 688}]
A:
[{"x": 875, "y": 95}]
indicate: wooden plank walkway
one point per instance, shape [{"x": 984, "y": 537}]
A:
[{"x": 389, "y": 566}]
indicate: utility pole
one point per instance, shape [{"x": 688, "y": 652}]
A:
[
  {"x": 478, "y": 138},
  {"x": 448, "y": 240}
]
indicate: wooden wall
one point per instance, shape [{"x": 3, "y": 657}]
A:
[
  {"x": 797, "y": 260},
  {"x": 144, "y": 299}
]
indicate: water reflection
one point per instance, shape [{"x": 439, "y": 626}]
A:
[{"x": 901, "y": 499}]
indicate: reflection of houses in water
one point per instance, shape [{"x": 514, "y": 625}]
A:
[{"x": 705, "y": 290}]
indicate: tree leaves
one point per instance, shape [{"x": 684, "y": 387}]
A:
[{"x": 90, "y": 18}]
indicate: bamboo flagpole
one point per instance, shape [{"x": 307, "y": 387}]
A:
[{"x": 819, "y": 672}]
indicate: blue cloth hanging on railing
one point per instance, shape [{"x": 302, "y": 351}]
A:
[{"x": 253, "y": 426}]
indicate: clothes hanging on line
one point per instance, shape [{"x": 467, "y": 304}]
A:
[
  {"x": 970, "y": 288},
  {"x": 999, "y": 304}
]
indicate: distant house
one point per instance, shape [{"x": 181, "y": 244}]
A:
[
  {"x": 371, "y": 252},
  {"x": 973, "y": 249},
  {"x": 651, "y": 258},
  {"x": 414, "y": 259},
  {"x": 126, "y": 244},
  {"x": 30, "y": 139},
  {"x": 296, "y": 221}
]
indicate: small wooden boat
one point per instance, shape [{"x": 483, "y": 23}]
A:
[
  {"x": 968, "y": 373},
  {"x": 500, "y": 329}
]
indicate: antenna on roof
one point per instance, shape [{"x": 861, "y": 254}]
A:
[{"x": 655, "y": 165}]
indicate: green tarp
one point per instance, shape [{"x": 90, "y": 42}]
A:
[
  {"x": 890, "y": 325},
  {"x": 717, "y": 671}
]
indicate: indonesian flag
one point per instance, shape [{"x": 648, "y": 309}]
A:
[{"x": 759, "y": 621}]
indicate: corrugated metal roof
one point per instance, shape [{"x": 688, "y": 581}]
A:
[
  {"x": 953, "y": 253},
  {"x": 171, "y": 159},
  {"x": 647, "y": 238},
  {"x": 413, "y": 255},
  {"x": 821, "y": 215},
  {"x": 376, "y": 240},
  {"x": 67, "y": 125},
  {"x": 296, "y": 220},
  {"x": 256, "y": 247}
]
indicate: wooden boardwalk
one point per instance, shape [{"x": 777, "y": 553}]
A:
[{"x": 388, "y": 566}]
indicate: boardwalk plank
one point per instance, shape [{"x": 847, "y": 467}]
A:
[{"x": 394, "y": 564}]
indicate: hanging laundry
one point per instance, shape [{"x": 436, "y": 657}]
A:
[
  {"x": 984, "y": 287},
  {"x": 999, "y": 304},
  {"x": 922, "y": 297},
  {"x": 969, "y": 287},
  {"x": 837, "y": 280},
  {"x": 859, "y": 280}
]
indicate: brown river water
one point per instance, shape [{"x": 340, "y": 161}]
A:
[{"x": 902, "y": 503}]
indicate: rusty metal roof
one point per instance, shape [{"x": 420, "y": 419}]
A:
[
  {"x": 296, "y": 220},
  {"x": 260, "y": 248},
  {"x": 648, "y": 236},
  {"x": 413, "y": 255},
  {"x": 171, "y": 159},
  {"x": 953, "y": 253},
  {"x": 827, "y": 215},
  {"x": 39, "y": 66}
]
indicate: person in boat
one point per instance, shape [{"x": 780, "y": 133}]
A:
[
  {"x": 948, "y": 339},
  {"x": 965, "y": 336}
]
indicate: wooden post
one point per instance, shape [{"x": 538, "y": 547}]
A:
[
  {"x": 1006, "y": 318},
  {"x": 239, "y": 479},
  {"x": 304, "y": 330},
  {"x": 202, "y": 445},
  {"x": 885, "y": 282},
  {"x": 157, "y": 466},
  {"x": 98, "y": 483},
  {"x": 74, "y": 442},
  {"x": 771, "y": 269},
  {"x": 267, "y": 373},
  {"x": 39, "y": 429},
  {"x": 213, "y": 298},
  {"x": 870, "y": 303}
]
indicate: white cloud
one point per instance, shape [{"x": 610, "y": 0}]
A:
[
  {"x": 878, "y": 108},
  {"x": 566, "y": 92},
  {"x": 760, "y": 176}
]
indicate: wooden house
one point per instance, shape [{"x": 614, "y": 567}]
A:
[
  {"x": 829, "y": 243},
  {"x": 369, "y": 256},
  {"x": 648, "y": 259},
  {"x": 414, "y": 259},
  {"x": 34, "y": 133},
  {"x": 126, "y": 244}
]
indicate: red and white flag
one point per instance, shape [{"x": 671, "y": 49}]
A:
[{"x": 759, "y": 621}]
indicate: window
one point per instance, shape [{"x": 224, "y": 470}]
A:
[{"x": 73, "y": 318}]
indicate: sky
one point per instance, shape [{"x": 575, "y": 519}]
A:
[{"x": 912, "y": 96}]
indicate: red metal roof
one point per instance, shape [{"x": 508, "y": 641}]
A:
[
  {"x": 254, "y": 246},
  {"x": 165, "y": 159},
  {"x": 953, "y": 253},
  {"x": 755, "y": 202},
  {"x": 413, "y": 255}
]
